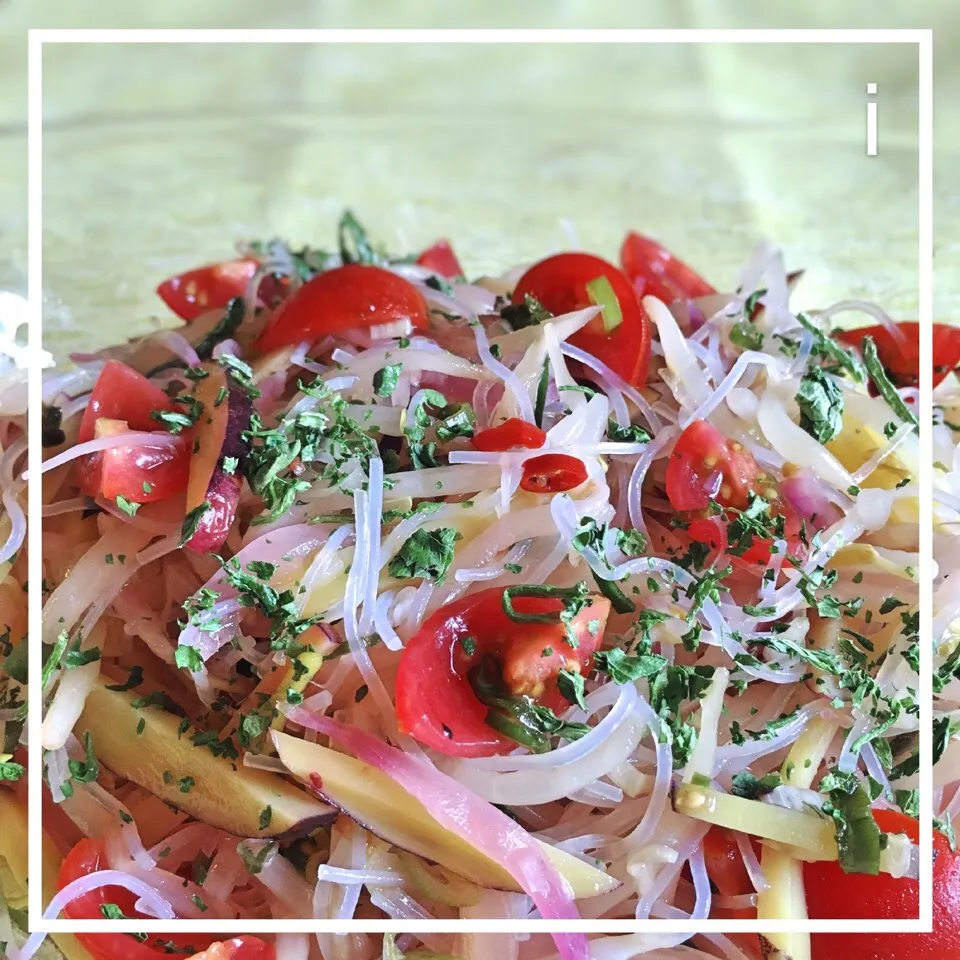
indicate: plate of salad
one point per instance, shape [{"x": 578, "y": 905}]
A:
[{"x": 585, "y": 590}]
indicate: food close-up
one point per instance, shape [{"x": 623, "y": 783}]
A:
[{"x": 586, "y": 589}]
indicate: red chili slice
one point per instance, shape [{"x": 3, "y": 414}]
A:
[
  {"x": 510, "y": 434},
  {"x": 552, "y": 473}
]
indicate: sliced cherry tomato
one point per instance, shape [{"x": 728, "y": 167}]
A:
[
  {"x": 140, "y": 474},
  {"x": 656, "y": 272},
  {"x": 122, "y": 393},
  {"x": 436, "y": 702},
  {"x": 196, "y": 292},
  {"x": 510, "y": 434},
  {"x": 622, "y": 342},
  {"x": 709, "y": 530},
  {"x": 441, "y": 259},
  {"x": 705, "y": 466},
  {"x": 724, "y": 862},
  {"x": 345, "y": 298},
  {"x": 833, "y": 894},
  {"x": 901, "y": 356},
  {"x": 88, "y": 857},
  {"x": 552, "y": 473}
]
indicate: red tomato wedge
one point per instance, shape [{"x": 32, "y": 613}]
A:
[
  {"x": 833, "y": 894},
  {"x": 436, "y": 702},
  {"x": 140, "y": 474},
  {"x": 656, "y": 272},
  {"x": 509, "y": 435},
  {"x": 355, "y": 296},
  {"x": 901, "y": 356},
  {"x": 441, "y": 259},
  {"x": 122, "y": 393},
  {"x": 706, "y": 466},
  {"x": 552, "y": 473},
  {"x": 195, "y": 292},
  {"x": 620, "y": 335},
  {"x": 88, "y": 857}
]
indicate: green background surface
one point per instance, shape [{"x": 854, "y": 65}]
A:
[{"x": 159, "y": 157}]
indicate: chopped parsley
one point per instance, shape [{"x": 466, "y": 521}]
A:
[
  {"x": 427, "y": 554},
  {"x": 821, "y": 405},
  {"x": 386, "y": 378},
  {"x": 188, "y": 658}
]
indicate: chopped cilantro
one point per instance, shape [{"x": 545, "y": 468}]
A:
[
  {"x": 821, "y": 405},
  {"x": 427, "y": 554}
]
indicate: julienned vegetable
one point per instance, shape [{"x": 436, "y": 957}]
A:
[{"x": 569, "y": 556}]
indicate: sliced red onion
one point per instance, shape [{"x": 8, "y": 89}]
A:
[
  {"x": 632, "y": 394},
  {"x": 806, "y": 495},
  {"x": 473, "y": 819},
  {"x": 752, "y": 863},
  {"x": 667, "y": 874},
  {"x": 348, "y": 875},
  {"x": 504, "y": 373},
  {"x": 660, "y": 793},
  {"x": 903, "y": 434},
  {"x": 281, "y": 878},
  {"x": 521, "y": 780},
  {"x": 774, "y": 366},
  {"x": 18, "y": 526},
  {"x": 299, "y": 359},
  {"x": 653, "y": 450},
  {"x": 179, "y": 345},
  {"x": 871, "y": 309},
  {"x": 131, "y": 439},
  {"x": 281, "y": 547}
]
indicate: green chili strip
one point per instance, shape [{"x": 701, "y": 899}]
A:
[
  {"x": 882, "y": 382},
  {"x": 571, "y": 596},
  {"x": 542, "y": 394},
  {"x": 225, "y": 328},
  {"x": 620, "y": 602}
]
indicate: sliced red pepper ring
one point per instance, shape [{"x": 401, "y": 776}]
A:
[
  {"x": 552, "y": 473},
  {"x": 900, "y": 355},
  {"x": 443, "y": 665},
  {"x": 509, "y": 435}
]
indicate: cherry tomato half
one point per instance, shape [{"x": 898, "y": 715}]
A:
[
  {"x": 140, "y": 474},
  {"x": 441, "y": 259},
  {"x": 195, "y": 292},
  {"x": 436, "y": 702},
  {"x": 833, "y": 894},
  {"x": 656, "y": 272},
  {"x": 354, "y": 296},
  {"x": 705, "y": 466},
  {"x": 122, "y": 393},
  {"x": 901, "y": 357},
  {"x": 88, "y": 857},
  {"x": 552, "y": 473},
  {"x": 510, "y": 434},
  {"x": 560, "y": 283}
]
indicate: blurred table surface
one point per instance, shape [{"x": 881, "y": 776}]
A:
[{"x": 157, "y": 157}]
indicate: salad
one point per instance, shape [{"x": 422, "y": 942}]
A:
[{"x": 581, "y": 591}]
